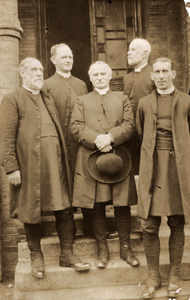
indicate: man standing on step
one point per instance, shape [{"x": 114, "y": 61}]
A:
[
  {"x": 64, "y": 88},
  {"x": 163, "y": 122},
  {"x": 102, "y": 121},
  {"x": 137, "y": 84},
  {"x": 35, "y": 160}
]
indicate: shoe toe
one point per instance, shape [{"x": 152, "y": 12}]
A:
[
  {"x": 101, "y": 264},
  {"x": 81, "y": 266}
]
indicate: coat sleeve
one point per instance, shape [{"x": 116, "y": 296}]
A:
[
  {"x": 82, "y": 134},
  {"x": 126, "y": 129},
  {"x": 8, "y": 131},
  {"x": 140, "y": 120}
]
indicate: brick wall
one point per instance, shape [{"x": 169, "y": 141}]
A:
[{"x": 165, "y": 27}]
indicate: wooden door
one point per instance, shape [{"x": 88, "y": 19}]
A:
[
  {"x": 114, "y": 24},
  {"x": 66, "y": 21}
]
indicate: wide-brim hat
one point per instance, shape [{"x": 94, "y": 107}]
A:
[{"x": 109, "y": 167}]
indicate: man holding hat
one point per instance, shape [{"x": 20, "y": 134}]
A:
[{"x": 102, "y": 123}]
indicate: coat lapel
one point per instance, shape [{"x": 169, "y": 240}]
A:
[{"x": 154, "y": 106}]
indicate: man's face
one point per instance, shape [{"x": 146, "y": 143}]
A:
[
  {"x": 163, "y": 75},
  {"x": 135, "y": 54},
  {"x": 32, "y": 75},
  {"x": 100, "y": 76},
  {"x": 63, "y": 59}
]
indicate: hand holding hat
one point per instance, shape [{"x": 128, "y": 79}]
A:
[{"x": 103, "y": 140}]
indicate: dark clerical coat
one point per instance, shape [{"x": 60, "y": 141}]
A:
[
  {"x": 136, "y": 86},
  {"x": 147, "y": 128},
  {"x": 32, "y": 141},
  {"x": 64, "y": 92},
  {"x": 88, "y": 121}
]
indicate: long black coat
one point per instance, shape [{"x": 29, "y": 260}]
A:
[
  {"x": 20, "y": 131},
  {"x": 64, "y": 92},
  {"x": 86, "y": 126},
  {"x": 146, "y": 125}
]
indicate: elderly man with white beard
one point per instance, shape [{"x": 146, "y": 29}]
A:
[{"x": 34, "y": 158}]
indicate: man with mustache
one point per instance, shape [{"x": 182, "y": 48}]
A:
[
  {"x": 34, "y": 157},
  {"x": 102, "y": 120},
  {"x": 137, "y": 84}
]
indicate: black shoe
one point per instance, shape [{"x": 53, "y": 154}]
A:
[
  {"x": 73, "y": 261},
  {"x": 37, "y": 264},
  {"x": 149, "y": 291},
  {"x": 127, "y": 255},
  {"x": 103, "y": 257}
]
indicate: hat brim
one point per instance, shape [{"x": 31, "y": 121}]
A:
[{"x": 110, "y": 179}]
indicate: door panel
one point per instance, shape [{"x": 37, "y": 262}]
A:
[
  {"x": 68, "y": 22},
  {"x": 113, "y": 27}
]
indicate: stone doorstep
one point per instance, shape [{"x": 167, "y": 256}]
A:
[
  {"x": 120, "y": 292},
  {"x": 118, "y": 272},
  {"x": 87, "y": 246}
]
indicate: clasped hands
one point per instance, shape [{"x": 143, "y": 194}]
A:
[
  {"x": 103, "y": 142},
  {"x": 15, "y": 178}
]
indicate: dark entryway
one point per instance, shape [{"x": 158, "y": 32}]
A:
[{"x": 68, "y": 22}]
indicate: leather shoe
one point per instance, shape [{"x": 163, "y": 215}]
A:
[
  {"x": 103, "y": 257},
  {"x": 73, "y": 261},
  {"x": 149, "y": 291},
  {"x": 37, "y": 265},
  {"x": 127, "y": 255},
  {"x": 173, "y": 290}
]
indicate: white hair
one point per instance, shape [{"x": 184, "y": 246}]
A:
[
  {"x": 143, "y": 44},
  {"x": 98, "y": 63},
  {"x": 25, "y": 63}
]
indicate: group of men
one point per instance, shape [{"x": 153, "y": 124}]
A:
[{"x": 63, "y": 147}]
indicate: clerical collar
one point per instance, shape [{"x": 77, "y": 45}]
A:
[
  {"x": 138, "y": 70},
  {"x": 65, "y": 75},
  {"x": 32, "y": 91},
  {"x": 102, "y": 91},
  {"x": 167, "y": 91}
]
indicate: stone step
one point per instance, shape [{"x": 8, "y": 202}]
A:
[
  {"x": 87, "y": 246},
  {"x": 120, "y": 292},
  {"x": 118, "y": 272}
]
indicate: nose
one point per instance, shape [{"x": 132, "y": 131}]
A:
[
  {"x": 99, "y": 76},
  {"x": 39, "y": 72},
  {"x": 161, "y": 74}
]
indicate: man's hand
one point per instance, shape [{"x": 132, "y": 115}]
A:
[
  {"x": 102, "y": 141},
  {"x": 106, "y": 149},
  {"x": 15, "y": 178}
]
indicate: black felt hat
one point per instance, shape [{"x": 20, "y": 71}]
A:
[{"x": 109, "y": 167}]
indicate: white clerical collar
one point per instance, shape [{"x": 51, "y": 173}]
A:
[
  {"x": 32, "y": 91},
  {"x": 65, "y": 75},
  {"x": 167, "y": 91},
  {"x": 102, "y": 91},
  {"x": 138, "y": 70}
]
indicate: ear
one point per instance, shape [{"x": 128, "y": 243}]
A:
[
  {"x": 52, "y": 59},
  {"x": 152, "y": 76},
  {"x": 174, "y": 74},
  {"x": 22, "y": 74}
]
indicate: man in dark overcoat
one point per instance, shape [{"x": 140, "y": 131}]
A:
[
  {"x": 64, "y": 88},
  {"x": 103, "y": 120},
  {"x": 35, "y": 159},
  {"x": 163, "y": 120},
  {"x": 137, "y": 84}
]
